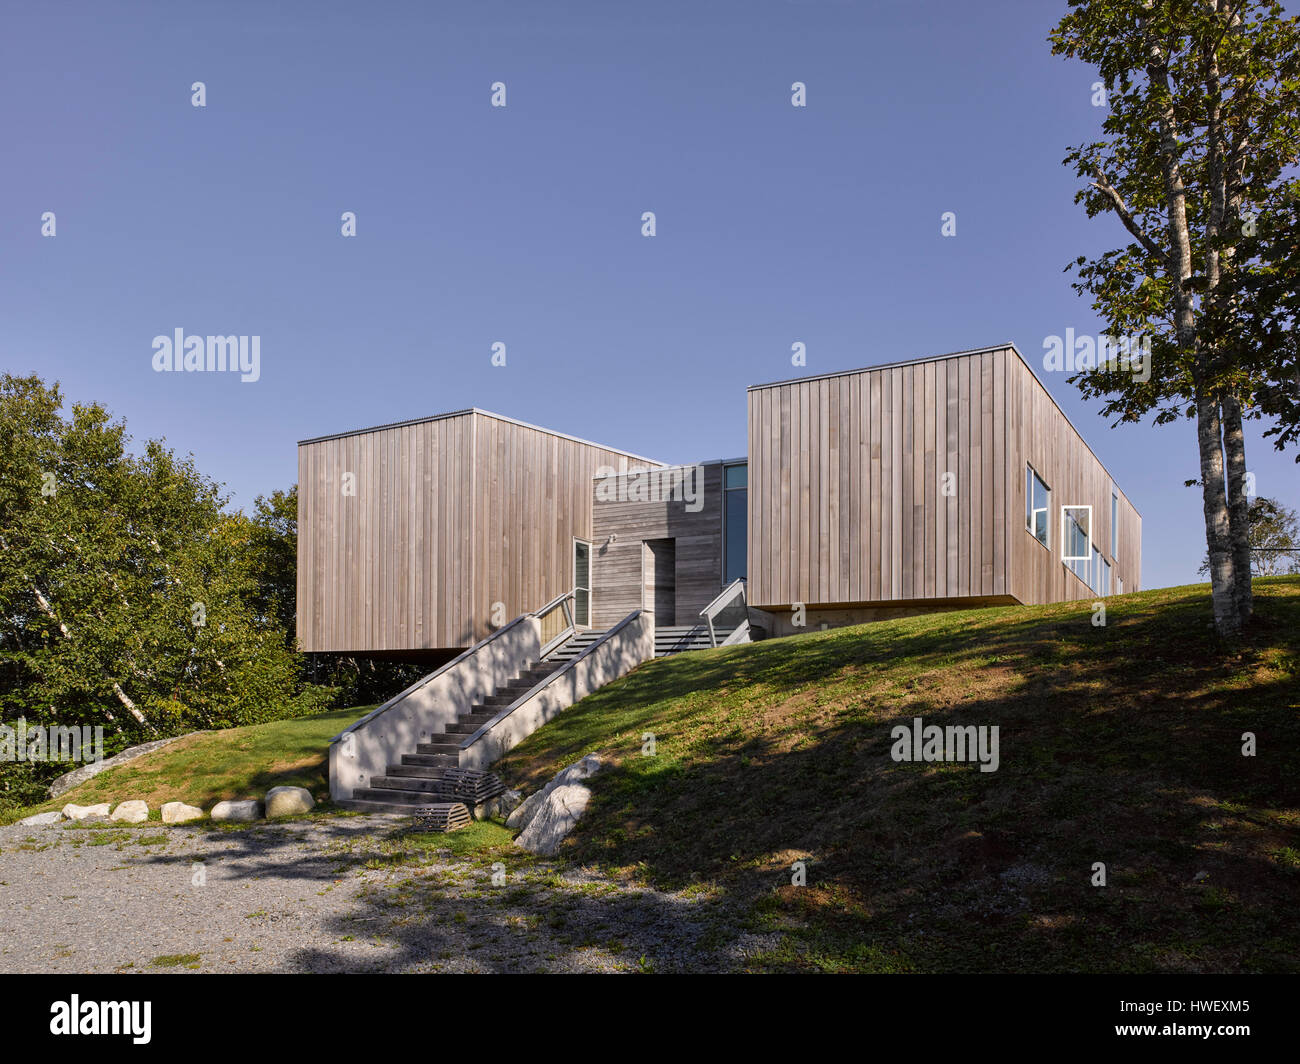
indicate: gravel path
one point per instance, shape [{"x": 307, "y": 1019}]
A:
[{"x": 330, "y": 894}]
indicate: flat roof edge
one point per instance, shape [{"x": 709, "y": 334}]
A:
[
  {"x": 1007, "y": 346},
  {"x": 483, "y": 413},
  {"x": 889, "y": 365}
]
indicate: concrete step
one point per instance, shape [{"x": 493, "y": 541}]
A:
[
  {"x": 433, "y": 755},
  {"x": 391, "y": 797},
  {"x": 401, "y": 809},
  {"x": 678, "y": 639},
  {"x": 411, "y": 783},
  {"x": 422, "y": 772}
]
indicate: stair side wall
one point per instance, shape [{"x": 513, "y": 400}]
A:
[
  {"x": 369, "y": 747},
  {"x": 627, "y": 646}
]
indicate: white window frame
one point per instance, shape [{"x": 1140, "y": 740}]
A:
[
  {"x": 1087, "y": 532},
  {"x": 1031, "y": 511},
  {"x": 591, "y": 580}
]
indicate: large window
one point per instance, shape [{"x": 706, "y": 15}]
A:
[
  {"x": 1114, "y": 524},
  {"x": 735, "y": 522},
  {"x": 1037, "y": 500},
  {"x": 1093, "y": 570},
  {"x": 581, "y": 584}
]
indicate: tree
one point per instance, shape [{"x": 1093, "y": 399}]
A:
[
  {"x": 1203, "y": 128},
  {"x": 1274, "y": 539},
  {"x": 126, "y": 589}
]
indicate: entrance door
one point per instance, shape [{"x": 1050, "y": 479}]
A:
[
  {"x": 659, "y": 570},
  {"x": 581, "y": 584}
]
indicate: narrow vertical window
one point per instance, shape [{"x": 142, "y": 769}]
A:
[
  {"x": 581, "y": 584},
  {"x": 1037, "y": 506},
  {"x": 1114, "y": 524},
  {"x": 735, "y": 522}
]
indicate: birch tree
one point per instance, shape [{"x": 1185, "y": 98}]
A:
[{"x": 1200, "y": 139}]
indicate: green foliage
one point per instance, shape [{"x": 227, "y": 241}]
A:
[
  {"x": 1207, "y": 95},
  {"x": 1274, "y": 539},
  {"x": 129, "y": 598}
]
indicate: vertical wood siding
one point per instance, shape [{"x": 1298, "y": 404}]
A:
[
  {"x": 846, "y": 479},
  {"x": 617, "y": 566},
  {"x": 451, "y": 516}
]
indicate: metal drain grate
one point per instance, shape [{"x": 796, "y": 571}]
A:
[{"x": 443, "y": 817}]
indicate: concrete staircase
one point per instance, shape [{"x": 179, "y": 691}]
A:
[
  {"x": 430, "y": 773},
  {"x": 678, "y": 638},
  {"x": 433, "y": 773}
]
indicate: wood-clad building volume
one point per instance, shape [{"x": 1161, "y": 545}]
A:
[
  {"x": 905, "y": 486},
  {"x": 931, "y": 484},
  {"x": 424, "y": 535}
]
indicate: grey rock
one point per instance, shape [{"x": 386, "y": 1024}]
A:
[
  {"x": 556, "y": 816},
  {"x": 248, "y": 809},
  {"x": 580, "y": 770},
  {"x": 85, "y": 812},
  {"x": 502, "y": 805},
  {"x": 180, "y": 813},
  {"x": 79, "y": 775},
  {"x": 41, "y": 819},
  {"x": 132, "y": 812},
  {"x": 288, "y": 801}
]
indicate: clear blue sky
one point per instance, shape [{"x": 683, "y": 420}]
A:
[{"x": 522, "y": 225}]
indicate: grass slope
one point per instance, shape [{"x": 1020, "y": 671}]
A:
[
  {"x": 232, "y": 763},
  {"x": 1120, "y": 744}
]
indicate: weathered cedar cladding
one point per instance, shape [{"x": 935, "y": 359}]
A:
[
  {"x": 618, "y": 572},
  {"x": 451, "y": 515},
  {"x": 845, "y": 478}
]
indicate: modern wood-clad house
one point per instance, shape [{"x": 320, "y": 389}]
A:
[
  {"x": 417, "y": 539},
  {"x": 904, "y": 487},
  {"x": 931, "y": 484}
]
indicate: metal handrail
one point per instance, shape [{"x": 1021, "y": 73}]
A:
[
  {"x": 564, "y": 599},
  {"x": 724, "y": 599},
  {"x": 424, "y": 680},
  {"x": 546, "y": 681},
  {"x": 561, "y": 597}
]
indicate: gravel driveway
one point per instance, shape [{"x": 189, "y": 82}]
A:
[{"x": 331, "y": 894}]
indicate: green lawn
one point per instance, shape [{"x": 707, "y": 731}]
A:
[
  {"x": 234, "y": 763},
  {"x": 1119, "y": 744}
]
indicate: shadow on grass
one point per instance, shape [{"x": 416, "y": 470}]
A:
[{"x": 1119, "y": 744}]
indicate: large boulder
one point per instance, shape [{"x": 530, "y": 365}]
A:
[
  {"x": 575, "y": 773},
  {"x": 555, "y": 817},
  {"x": 288, "y": 801},
  {"x": 250, "y": 809},
  {"x": 86, "y": 812},
  {"x": 41, "y": 819},
  {"x": 180, "y": 813},
  {"x": 132, "y": 812}
]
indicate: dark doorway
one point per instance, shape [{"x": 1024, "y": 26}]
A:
[{"x": 659, "y": 568}]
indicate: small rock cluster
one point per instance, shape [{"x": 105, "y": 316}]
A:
[
  {"x": 546, "y": 817},
  {"x": 279, "y": 801}
]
